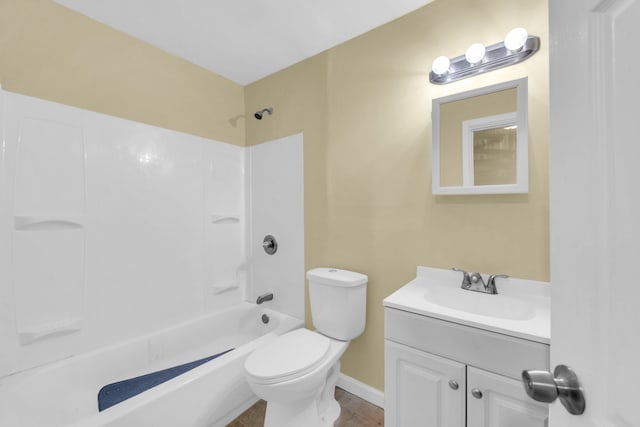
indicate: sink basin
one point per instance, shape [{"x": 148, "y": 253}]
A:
[
  {"x": 521, "y": 308},
  {"x": 497, "y": 306}
]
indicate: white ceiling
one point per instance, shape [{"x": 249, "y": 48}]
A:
[{"x": 244, "y": 40}]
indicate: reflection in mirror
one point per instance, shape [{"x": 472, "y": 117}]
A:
[
  {"x": 494, "y": 156},
  {"x": 479, "y": 143},
  {"x": 489, "y": 150}
]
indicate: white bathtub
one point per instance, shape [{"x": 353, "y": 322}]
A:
[{"x": 65, "y": 393}]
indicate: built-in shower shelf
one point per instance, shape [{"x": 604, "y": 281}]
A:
[
  {"x": 221, "y": 218},
  {"x": 222, "y": 287},
  {"x": 62, "y": 327},
  {"x": 47, "y": 223}
]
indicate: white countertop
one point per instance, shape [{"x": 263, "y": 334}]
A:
[{"x": 534, "y": 296}]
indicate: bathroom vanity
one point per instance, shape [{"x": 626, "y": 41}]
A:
[{"x": 454, "y": 357}]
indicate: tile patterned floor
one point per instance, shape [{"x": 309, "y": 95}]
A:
[{"x": 355, "y": 413}]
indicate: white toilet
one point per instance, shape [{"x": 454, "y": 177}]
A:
[{"x": 297, "y": 372}]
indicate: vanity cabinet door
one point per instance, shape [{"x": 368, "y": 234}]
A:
[
  {"x": 497, "y": 401},
  {"x": 418, "y": 392}
]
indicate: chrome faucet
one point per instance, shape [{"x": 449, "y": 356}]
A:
[
  {"x": 475, "y": 282},
  {"x": 491, "y": 283},
  {"x": 264, "y": 297}
]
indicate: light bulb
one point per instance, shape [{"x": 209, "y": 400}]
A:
[
  {"x": 440, "y": 65},
  {"x": 515, "y": 39},
  {"x": 475, "y": 53}
]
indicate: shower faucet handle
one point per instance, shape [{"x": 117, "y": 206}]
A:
[{"x": 270, "y": 244}]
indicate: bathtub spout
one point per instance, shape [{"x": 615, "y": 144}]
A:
[{"x": 264, "y": 297}]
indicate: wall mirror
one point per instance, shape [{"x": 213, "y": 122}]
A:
[{"x": 479, "y": 141}]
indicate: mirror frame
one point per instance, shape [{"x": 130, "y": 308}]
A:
[{"x": 522, "y": 145}]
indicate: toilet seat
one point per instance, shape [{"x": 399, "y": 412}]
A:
[{"x": 289, "y": 356}]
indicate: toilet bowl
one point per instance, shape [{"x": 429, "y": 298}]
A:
[
  {"x": 291, "y": 373},
  {"x": 297, "y": 372}
]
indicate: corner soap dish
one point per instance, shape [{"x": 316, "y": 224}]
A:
[
  {"x": 47, "y": 223},
  {"x": 224, "y": 218},
  {"x": 46, "y": 330}
]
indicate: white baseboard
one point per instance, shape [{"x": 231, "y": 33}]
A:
[{"x": 360, "y": 389}]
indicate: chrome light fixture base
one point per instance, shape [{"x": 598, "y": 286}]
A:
[{"x": 496, "y": 56}]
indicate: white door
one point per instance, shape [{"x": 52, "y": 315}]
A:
[
  {"x": 497, "y": 401},
  {"x": 595, "y": 206},
  {"x": 422, "y": 390}
]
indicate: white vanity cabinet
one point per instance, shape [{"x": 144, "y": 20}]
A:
[
  {"x": 444, "y": 374},
  {"x": 502, "y": 402},
  {"x": 417, "y": 390}
]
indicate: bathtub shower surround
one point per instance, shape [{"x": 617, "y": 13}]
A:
[
  {"x": 109, "y": 229},
  {"x": 112, "y": 229},
  {"x": 276, "y": 198}
]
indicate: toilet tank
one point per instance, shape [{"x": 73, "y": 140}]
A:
[{"x": 338, "y": 302}]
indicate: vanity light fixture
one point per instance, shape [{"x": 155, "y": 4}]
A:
[
  {"x": 515, "y": 39},
  {"x": 440, "y": 65},
  {"x": 475, "y": 53},
  {"x": 517, "y": 46}
]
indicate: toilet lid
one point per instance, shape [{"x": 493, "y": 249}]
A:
[{"x": 292, "y": 354}]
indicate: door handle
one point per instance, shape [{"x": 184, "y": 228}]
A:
[{"x": 563, "y": 385}]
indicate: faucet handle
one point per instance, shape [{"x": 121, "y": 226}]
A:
[
  {"x": 460, "y": 270},
  {"x": 493, "y": 277},
  {"x": 491, "y": 283},
  {"x": 466, "y": 280}
]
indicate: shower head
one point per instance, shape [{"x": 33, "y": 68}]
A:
[{"x": 258, "y": 114}]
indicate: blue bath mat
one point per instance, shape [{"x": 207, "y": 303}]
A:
[{"x": 114, "y": 393}]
